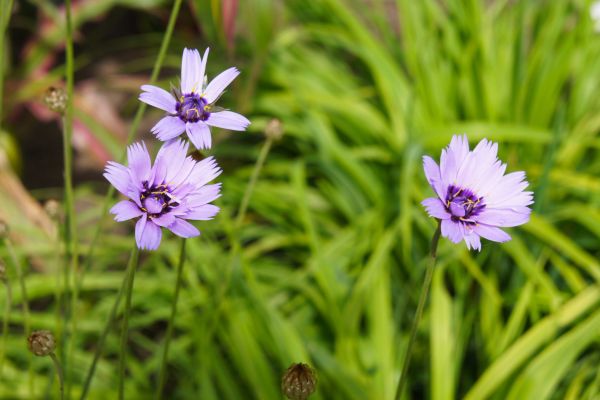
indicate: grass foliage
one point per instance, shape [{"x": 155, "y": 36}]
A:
[{"x": 327, "y": 264}]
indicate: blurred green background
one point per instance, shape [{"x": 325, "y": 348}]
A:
[{"x": 327, "y": 264}]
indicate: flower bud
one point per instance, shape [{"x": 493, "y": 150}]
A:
[
  {"x": 3, "y": 229},
  {"x": 56, "y": 99},
  {"x": 298, "y": 382},
  {"x": 52, "y": 208},
  {"x": 274, "y": 129},
  {"x": 41, "y": 343}
]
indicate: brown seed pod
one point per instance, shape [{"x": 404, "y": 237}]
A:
[
  {"x": 299, "y": 382},
  {"x": 41, "y": 343}
]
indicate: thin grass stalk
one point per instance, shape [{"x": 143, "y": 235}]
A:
[
  {"x": 107, "y": 326},
  {"x": 163, "y": 364},
  {"x": 24, "y": 302},
  {"x": 61, "y": 381},
  {"x": 5, "y": 322},
  {"x": 4, "y": 19},
  {"x": 125, "y": 329},
  {"x": 419, "y": 312},
  {"x": 134, "y": 126},
  {"x": 264, "y": 151},
  {"x": 71, "y": 239}
]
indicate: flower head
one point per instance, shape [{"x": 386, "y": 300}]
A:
[
  {"x": 298, "y": 382},
  {"x": 41, "y": 343},
  {"x": 166, "y": 194},
  {"x": 192, "y": 109},
  {"x": 474, "y": 197}
]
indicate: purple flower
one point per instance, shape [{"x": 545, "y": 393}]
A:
[
  {"x": 474, "y": 197},
  {"x": 164, "y": 195},
  {"x": 193, "y": 108}
]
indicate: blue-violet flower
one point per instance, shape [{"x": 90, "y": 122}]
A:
[
  {"x": 193, "y": 109},
  {"x": 166, "y": 194},
  {"x": 474, "y": 197}
]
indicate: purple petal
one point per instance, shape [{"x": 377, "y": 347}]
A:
[
  {"x": 203, "y": 67},
  {"x": 204, "y": 195},
  {"x": 435, "y": 208},
  {"x": 183, "y": 228},
  {"x": 217, "y": 85},
  {"x": 168, "y": 128},
  {"x": 164, "y": 220},
  {"x": 452, "y": 230},
  {"x": 204, "y": 213},
  {"x": 158, "y": 98},
  {"x": 191, "y": 65},
  {"x": 199, "y": 134},
  {"x": 118, "y": 176},
  {"x": 492, "y": 233},
  {"x": 204, "y": 172},
  {"x": 139, "y": 162},
  {"x": 473, "y": 241},
  {"x": 169, "y": 161},
  {"x": 504, "y": 217},
  {"x": 228, "y": 120},
  {"x": 125, "y": 210},
  {"x": 147, "y": 234},
  {"x": 153, "y": 205},
  {"x": 432, "y": 173}
]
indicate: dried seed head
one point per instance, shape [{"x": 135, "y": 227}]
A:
[
  {"x": 41, "y": 343},
  {"x": 52, "y": 208},
  {"x": 274, "y": 129},
  {"x": 299, "y": 382},
  {"x": 56, "y": 99},
  {"x": 3, "y": 229}
]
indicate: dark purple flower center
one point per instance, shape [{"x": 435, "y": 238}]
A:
[
  {"x": 192, "y": 108},
  {"x": 463, "y": 204},
  {"x": 156, "y": 200}
]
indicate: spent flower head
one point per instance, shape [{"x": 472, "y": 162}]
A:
[
  {"x": 474, "y": 197},
  {"x": 166, "y": 194},
  {"x": 298, "y": 382},
  {"x": 56, "y": 99},
  {"x": 4, "y": 229},
  {"x": 192, "y": 109},
  {"x": 41, "y": 343}
]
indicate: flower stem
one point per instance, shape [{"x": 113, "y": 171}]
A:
[
  {"x": 5, "y": 322},
  {"x": 107, "y": 326},
  {"x": 60, "y": 375},
  {"x": 264, "y": 151},
  {"x": 419, "y": 312},
  {"x": 125, "y": 329},
  {"x": 163, "y": 367}
]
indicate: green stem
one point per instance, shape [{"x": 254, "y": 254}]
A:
[
  {"x": 163, "y": 367},
  {"x": 264, "y": 151},
  {"x": 24, "y": 299},
  {"x": 107, "y": 326},
  {"x": 5, "y": 322},
  {"x": 419, "y": 312},
  {"x": 61, "y": 382},
  {"x": 125, "y": 329}
]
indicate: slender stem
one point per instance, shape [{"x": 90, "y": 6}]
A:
[
  {"x": 264, "y": 151},
  {"x": 71, "y": 240},
  {"x": 24, "y": 300},
  {"x": 125, "y": 329},
  {"x": 107, "y": 326},
  {"x": 5, "y": 322},
  {"x": 163, "y": 364},
  {"x": 419, "y": 312},
  {"x": 60, "y": 375}
]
